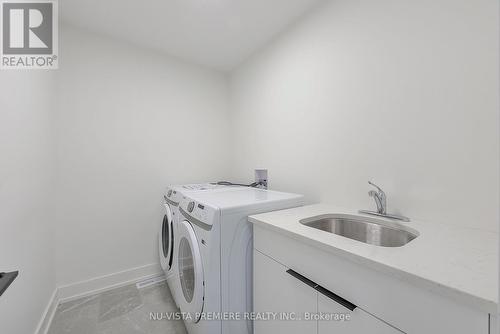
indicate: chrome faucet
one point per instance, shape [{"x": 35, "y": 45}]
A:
[
  {"x": 381, "y": 202},
  {"x": 379, "y": 197}
]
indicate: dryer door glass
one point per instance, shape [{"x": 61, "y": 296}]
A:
[{"x": 186, "y": 269}]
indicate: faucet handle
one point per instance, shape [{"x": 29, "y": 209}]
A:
[
  {"x": 379, "y": 197},
  {"x": 374, "y": 185}
]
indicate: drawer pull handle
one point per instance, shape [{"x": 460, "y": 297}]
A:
[
  {"x": 301, "y": 278},
  {"x": 347, "y": 304}
]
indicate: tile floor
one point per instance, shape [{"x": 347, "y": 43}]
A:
[{"x": 124, "y": 310}]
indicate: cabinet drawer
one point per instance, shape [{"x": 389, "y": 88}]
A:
[
  {"x": 295, "y": 294},
  {"x": 412, "y": 309},
  {"x": 279, "y": 293}
]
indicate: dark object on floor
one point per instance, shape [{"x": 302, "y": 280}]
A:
[{"x": 6, "y": 279}]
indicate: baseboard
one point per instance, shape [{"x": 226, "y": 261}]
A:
[
  {"x": 48, "y": 314},
  {"x": 93, "y": 286},
  {"x": 107, "y": 282}
]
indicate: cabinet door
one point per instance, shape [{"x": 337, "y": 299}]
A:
[
  {"x": 359, "y": 321},
  {"x": 278, "y": 292},
  {"x": 494, "y": 323}
]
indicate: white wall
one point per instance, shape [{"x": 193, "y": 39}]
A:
[
  {"x": 403, "y": 93},
  {"x": 130, "y": 122},
  {"x": 26, "y": 184}
]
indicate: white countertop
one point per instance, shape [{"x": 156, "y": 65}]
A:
[{"x": 457, "y": 262}]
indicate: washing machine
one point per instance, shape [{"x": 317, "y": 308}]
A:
[
  {"x": 168, "y": 228},
  {"x": 214, "y": 254}
]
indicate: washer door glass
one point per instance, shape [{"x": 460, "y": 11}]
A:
[
  {"x": 165, "y": 230},
  {"x": 190, "y": 266},
  {"x": 186, "y": 269},
  {"x": 166, "y": 237}
]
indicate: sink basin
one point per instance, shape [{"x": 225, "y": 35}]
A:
[{"x": 368, "y": 230}]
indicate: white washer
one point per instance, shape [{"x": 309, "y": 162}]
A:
[
  {"x": 167, "y": 240},
  {"x": 215, "y": 256}
]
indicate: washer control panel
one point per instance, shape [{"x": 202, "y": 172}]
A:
[{"x": 199, "y": 211}]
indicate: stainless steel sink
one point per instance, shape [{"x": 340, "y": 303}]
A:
[{"x": 368, "y": 230}]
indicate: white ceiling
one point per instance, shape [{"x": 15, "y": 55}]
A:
[{"x": 215, "y": 33}]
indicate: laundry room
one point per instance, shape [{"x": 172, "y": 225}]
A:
[{"x": 249, "y": 166}]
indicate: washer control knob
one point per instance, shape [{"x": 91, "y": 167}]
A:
[
  {"x": 169, "y": 193},
  {"x": 190, "y": 207}
]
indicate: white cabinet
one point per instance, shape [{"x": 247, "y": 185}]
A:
[
  {"x": 358, "y": 322},
  {"x": 494, "y": 324},
  {"x": 384, "y": 302},
  {"x": 276, "y": 293},
  {"x": 302, "y": 306}
]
